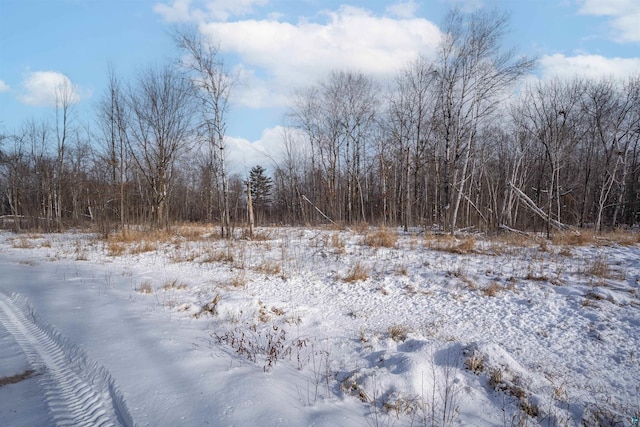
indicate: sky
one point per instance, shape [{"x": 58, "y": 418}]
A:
[{"x": 278, "y": 46}]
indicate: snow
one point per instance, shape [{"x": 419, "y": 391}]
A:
[{"x": 200, "y": 331}]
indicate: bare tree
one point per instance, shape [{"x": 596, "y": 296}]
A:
[
  {"x": 161, "y": 127},
  {"x": 550, "y": 117},
  {"x": 411, "y": 116},
  {"x": 112, "y": 116},
  {"x": 213, "y": 85},
  {"x": 338, "y": 116},
  {"x": 612, "y": 120},
  {"x": 474, "y": 74},
  {"x": 64, "y": 115}
]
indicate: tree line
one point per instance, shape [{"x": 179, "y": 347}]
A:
[{"x": 458, "y": 141}]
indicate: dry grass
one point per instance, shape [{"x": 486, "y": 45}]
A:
[
  {"x": 625, "y": 238},
  {"x": 574, "y": 238},
  {"x": 174, "y": 284},
  {"x": 14, "y": 379},
  {"x": 115, "y": 248},
  {"x": 270, "y": 268},
  {"x": 239, "y": 280},
  {"x": 192, "y": 232},
  {"x": 398, "y": 333},
  {"x": 143, "y": 247},
  {"x": 357, "y": 273},
  {"x": 401, "y": 269},
  {"x": 221, "y": 256},
  {"x": 210, "y": 308},
  {"x": 496, "y": 378},
  {"x": 474, "y": 362},
  {"x": 599, "y": 268},
  {"x": 145, "y": 287},
  {"x": 383, "y": 238},
  {"x": 135, "y": 242},
  {"x": 21, "y": 243},
  {"x": 492, "y": 290},
  {"x": 132, "y": 236},
  {"x": 591, "y": 237},
  {"x": 515, "y": 240},
  {"x": 452, "y": 245},
  {"x": 337, "y": 243}
]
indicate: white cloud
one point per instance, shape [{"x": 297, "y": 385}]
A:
[
  {"x": 405, "y": 9},
  {"x": 198, "y": 11},
  {"x": 624, "y": 16},
  {"x": 4, "y": 87},
  {"x": 178, "y": 11},
  {"x": 592, "y": 66},
  {"x": 43, "y": 88},
  {"x": 266, "y": 152},
  {"x": 282, "y": 56}
]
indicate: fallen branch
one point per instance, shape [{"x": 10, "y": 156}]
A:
[
  {"x": 512, "y": 230},
  {"x": 318, "y": 209},
  {"x": 532, "y": 205}
]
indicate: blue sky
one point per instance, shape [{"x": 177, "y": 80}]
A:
[{"x": 276, "y": 46}]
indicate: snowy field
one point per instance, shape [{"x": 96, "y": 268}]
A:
[{"x": 318, "y": 327}]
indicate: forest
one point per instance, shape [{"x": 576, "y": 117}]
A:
[{"x": 467, "y": 140}]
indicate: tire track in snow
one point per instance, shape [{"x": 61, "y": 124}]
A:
[{"x": 77, "y": 391}]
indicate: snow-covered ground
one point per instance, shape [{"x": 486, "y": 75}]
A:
[{"x": 311, "y": 327}]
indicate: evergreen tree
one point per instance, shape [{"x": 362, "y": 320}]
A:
[{"x": 261, "y": 186}]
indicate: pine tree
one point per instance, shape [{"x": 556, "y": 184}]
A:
[{"x": 261, "y": 186}]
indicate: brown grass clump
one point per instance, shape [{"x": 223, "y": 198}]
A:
[
  {"x": 192, "y": 232},
  {"x": 495, "y": 378},
  {"x": 115, "y": 249},
  {"x": 474, "y": 362},
  {"x": 625, "y": 238},
  {"x": 357, "y": 273},
  {"x": 449, "y": 243},
  {"x": 239, "y": 280},
  {"x": 574, "y": 238},
  {"x": 383, "y": 238},
  {"x": 398, "y": 333},
  {"x": 337, "y": 243},
  {"x": 136, "y": 241},
  {"x": 492, "y": 290},
  {"x": 466, "y": 246}
]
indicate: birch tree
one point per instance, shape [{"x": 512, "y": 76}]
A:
[{"x": 213, "y": 84}]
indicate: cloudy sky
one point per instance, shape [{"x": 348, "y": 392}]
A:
[{"x": 276, "y": 46}]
